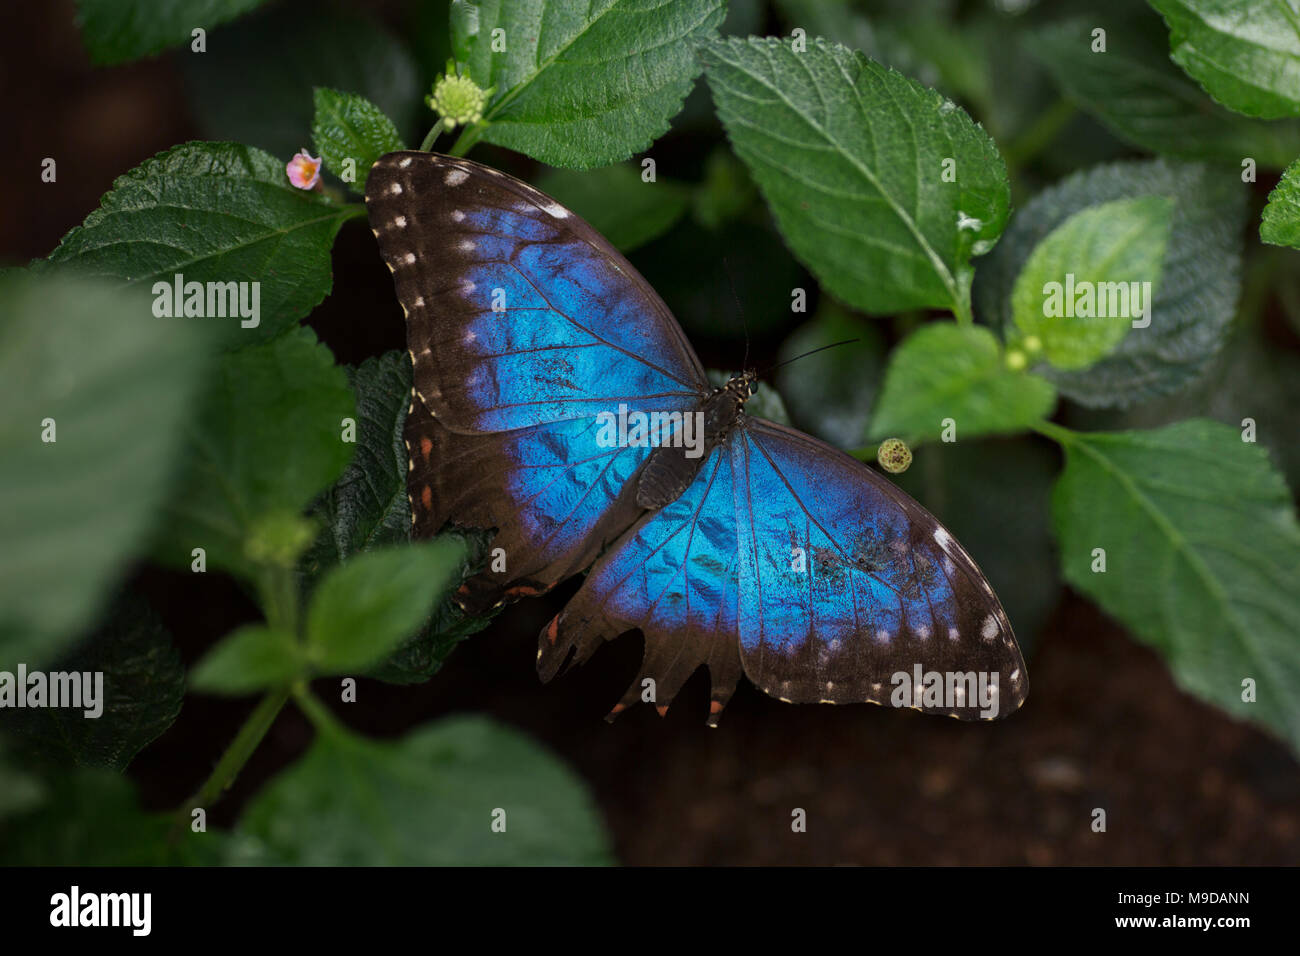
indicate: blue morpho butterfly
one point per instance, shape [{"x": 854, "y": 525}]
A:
[{"x": 769, "y": 553}]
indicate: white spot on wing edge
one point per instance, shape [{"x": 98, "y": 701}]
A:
[
  {"x": 406, "y": 161},
  {"x": 455, "y": 176},
  {"x": 556, "y": 210},
  {"x": 989, "y": 629}
]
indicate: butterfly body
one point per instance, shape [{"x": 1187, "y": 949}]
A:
[
  {"x": 729, "y": 541},
  {"x": 670, "y": 469}
]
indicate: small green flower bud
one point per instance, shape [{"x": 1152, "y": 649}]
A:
[
  {"x": 457, "y": 99},
  {"x": 894, "y": 456}
]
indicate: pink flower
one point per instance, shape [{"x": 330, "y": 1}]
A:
[{"x": 303, "y": 170}]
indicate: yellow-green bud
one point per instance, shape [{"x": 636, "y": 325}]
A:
[
  {"x": 458, "y": 100},
  {"x": 894, "y": 456}
]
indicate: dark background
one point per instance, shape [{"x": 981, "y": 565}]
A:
[{"x": 1104, "y": 725}]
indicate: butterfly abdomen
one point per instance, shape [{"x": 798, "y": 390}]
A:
[{"x": 670, "y": 469}]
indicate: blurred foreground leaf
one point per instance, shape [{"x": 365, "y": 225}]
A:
[
  {"x": 119, "y": 30},
  {"x": 364, "y": 607},
  {"x": 143, "y": 686},
  {"x": 92, "y": 818},
  {"x": 429, "y": 799},
  {"x": 267, "y": 439},
  {"x": 90, "y": 366}
]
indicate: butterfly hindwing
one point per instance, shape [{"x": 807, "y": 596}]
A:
[
  {"x": 845, "y": 582},
  {"x": 671, "y": 576}
]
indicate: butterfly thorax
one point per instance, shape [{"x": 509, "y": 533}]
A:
[{"x": 670, "y": 469}]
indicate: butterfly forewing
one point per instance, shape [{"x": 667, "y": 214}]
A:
[{"x": 518, "y": 312}]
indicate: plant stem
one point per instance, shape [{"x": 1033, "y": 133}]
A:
[
  {"x": 433, "y": 135},
  {"x": 278, "y": 589},
  {"x": 1058, "y": 433},
  {"x": 240, "y": 749},
  {"x": 317, "y": 713},
  {"x": 1040, "y": 134},
  {"x": 467, "y": 140}
]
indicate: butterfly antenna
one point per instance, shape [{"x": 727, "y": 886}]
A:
[
  {"x": 744, "y": 323},
  {"x": 773, "y": 368}
]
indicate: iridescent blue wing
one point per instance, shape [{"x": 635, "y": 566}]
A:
[
  {"x": 673, "y": 577},
  {"x": 845, "y": 582},
  {"x": 523, "y": 324}
]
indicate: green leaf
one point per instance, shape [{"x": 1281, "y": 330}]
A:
[
  {"x": 214, "y": 212},
  {"x": 248, "y": 660},
  {"x": 20, "y": 790},
  {"x": 925, "y": 45},
  {"x": 1281, "y": 221},
  {"x": 1246, "y": 53},
  {"x": 1199, "y": 284},
  {"x": 1104, "y": 251},
  {"x": 363, "y": 609},
  {"x": 851, "y": 157},
  {"x": 994, "y": 495},
  {"x": 255, "y": 83},
  {"x": 349, "y": 128},
  {"x": 119, "y": 30},
  {"x": 1250, "y": 382},
  {"x": 949, "y": 371},
  {"x": 367, "y": 508},
  {"x": 1144, "y": 99},
  {"x": 1202, "y": 551},
  {"x": 143, "y": 685},
  {"x": 830, "y": 394},
  {"x": 267, "y": 440},
  {"x": 93, "y": 818},
  {"x": 116, "y": 386},
  {"x": 581, "y": 85},
  {"x": 617, "y": 203},
  {"x": 429, "y": 799}
]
